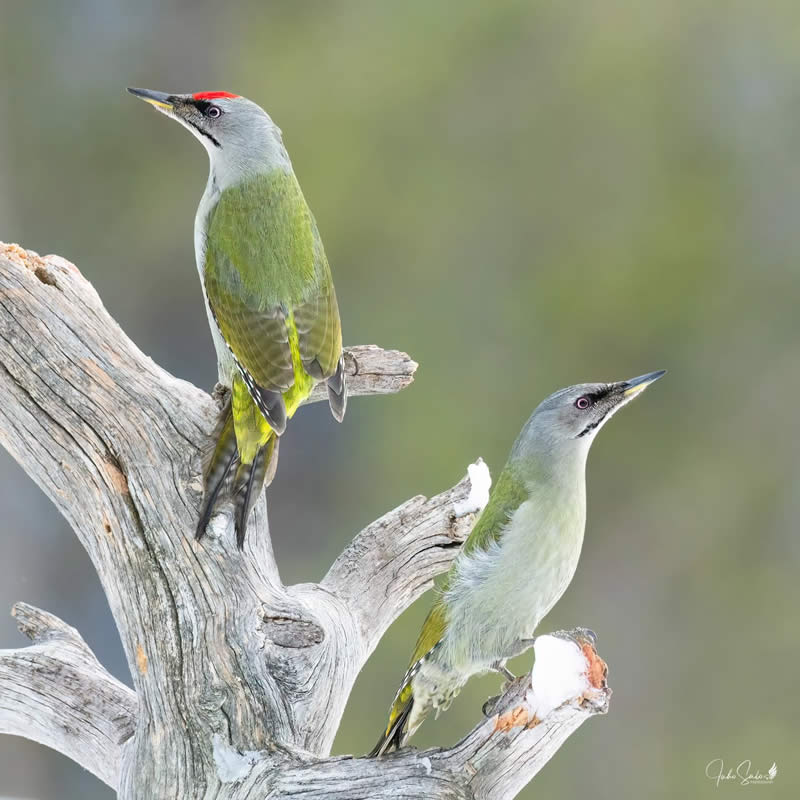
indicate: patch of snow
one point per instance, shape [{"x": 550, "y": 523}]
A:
[
  {"x": 231, "y": 764},
  {"x": 480, "y": 481},
  {"x": 558, "y": 675}
]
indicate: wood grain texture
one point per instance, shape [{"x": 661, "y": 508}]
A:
[
  {"x": 56, "y": 693},
  {"x": 240, "y": 682}
]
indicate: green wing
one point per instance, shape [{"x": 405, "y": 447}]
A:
[
  {"x": 319, "y": 333},
  {"x": 432, "y": 631},
  {"x": 429, "y": 637},
  {"x": 508, "y": 494},
  {"x": 266, "y": 276}
]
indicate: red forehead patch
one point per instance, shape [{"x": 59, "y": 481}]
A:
[{"x": 213, "y": 95}]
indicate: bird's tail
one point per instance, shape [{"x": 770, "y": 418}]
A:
[
  {"x": 337, "y": 391},
  {"x": 219, "y": 472},
  {"x": 250, "y": 479},
  {"x": 396, "y": 731},
  {"x": 228, "y": 477}
]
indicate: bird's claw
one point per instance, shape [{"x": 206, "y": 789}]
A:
[
  {"x": 220, "y": 394},
  {"x": 499, "y": 666}
]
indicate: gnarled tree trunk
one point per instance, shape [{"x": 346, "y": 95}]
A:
[{"x": 239, "y": 681}]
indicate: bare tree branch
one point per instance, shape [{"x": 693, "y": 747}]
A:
[
  {"x": 493, "y": 762},
  {"x": 371, "y": 371},
  {"x": 240, "y": 682},
  {"x": 395, "y": 559},
  {"x": 56, "y": 693}
]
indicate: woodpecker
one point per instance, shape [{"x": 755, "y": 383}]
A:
[
  {"x": 267, "y": 287},
  {"x": 517, "y": 561}
]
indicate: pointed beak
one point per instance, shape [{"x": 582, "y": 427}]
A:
[
  {"x": 635, "y": 385},
  {"x": 161, "y": 100}
]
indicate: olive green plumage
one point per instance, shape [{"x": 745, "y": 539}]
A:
[
  {"x": 267, "y": 280},
  {"x": 269, "y": 288},
  {"x": 270, "y": 291}
]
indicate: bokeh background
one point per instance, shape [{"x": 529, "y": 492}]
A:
[{"x": 522, "y": 195}]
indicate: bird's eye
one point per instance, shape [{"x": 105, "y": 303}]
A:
[
  {"x": 583, "y": 402},
  {"x": 213, "y": 112}
]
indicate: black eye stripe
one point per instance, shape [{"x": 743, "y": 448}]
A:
[
  {"x": 594, "y": 397},
  {"x": 201, "y": 105},
  {"x": 204, "y": 107}
]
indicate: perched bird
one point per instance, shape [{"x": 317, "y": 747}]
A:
[
  {"x": 268, "y": 291},
  {"x": 517, "y": 561}
]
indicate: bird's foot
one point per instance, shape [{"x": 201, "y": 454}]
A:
[
  {"x": 500, "y": 666},
  {"x": 220, "y": 394}
]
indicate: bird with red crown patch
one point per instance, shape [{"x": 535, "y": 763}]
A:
[{"x": 268, "y": 291}]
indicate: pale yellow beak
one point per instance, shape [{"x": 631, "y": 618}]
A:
[
  {"x": 635, "y": 385},
  {"x": 160, "y": 100}
]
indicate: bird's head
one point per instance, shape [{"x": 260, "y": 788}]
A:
[
  {"x": 239, "y": 135},
  {"x": 570, "y": 418}
]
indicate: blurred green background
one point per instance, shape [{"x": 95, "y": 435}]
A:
[{"x": 522, "y": 195}]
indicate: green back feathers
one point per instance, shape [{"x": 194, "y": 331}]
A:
[
  {"x": 261, "y": 242},
  {"x": 269, "y": 285}
]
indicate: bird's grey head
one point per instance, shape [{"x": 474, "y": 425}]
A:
[
  {"x": 567, "y": 421},
  {"x": 240, "y": 136}
]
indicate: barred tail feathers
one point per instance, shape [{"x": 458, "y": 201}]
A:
[
  {"x": 248, "y": 483},
  {"x": 243, "y": 461},
  {"x": 396, "y": 731},
  {"x": 246, "y": 455},
  {"x": 218, "y": 475},
  {"x": 337, "y": 391}
]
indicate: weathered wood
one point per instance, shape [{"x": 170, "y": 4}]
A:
[
  {"x": 56, "y": 693},
  {"x": 239, "y": 681},
  {"x": 395, "y": 559}
]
